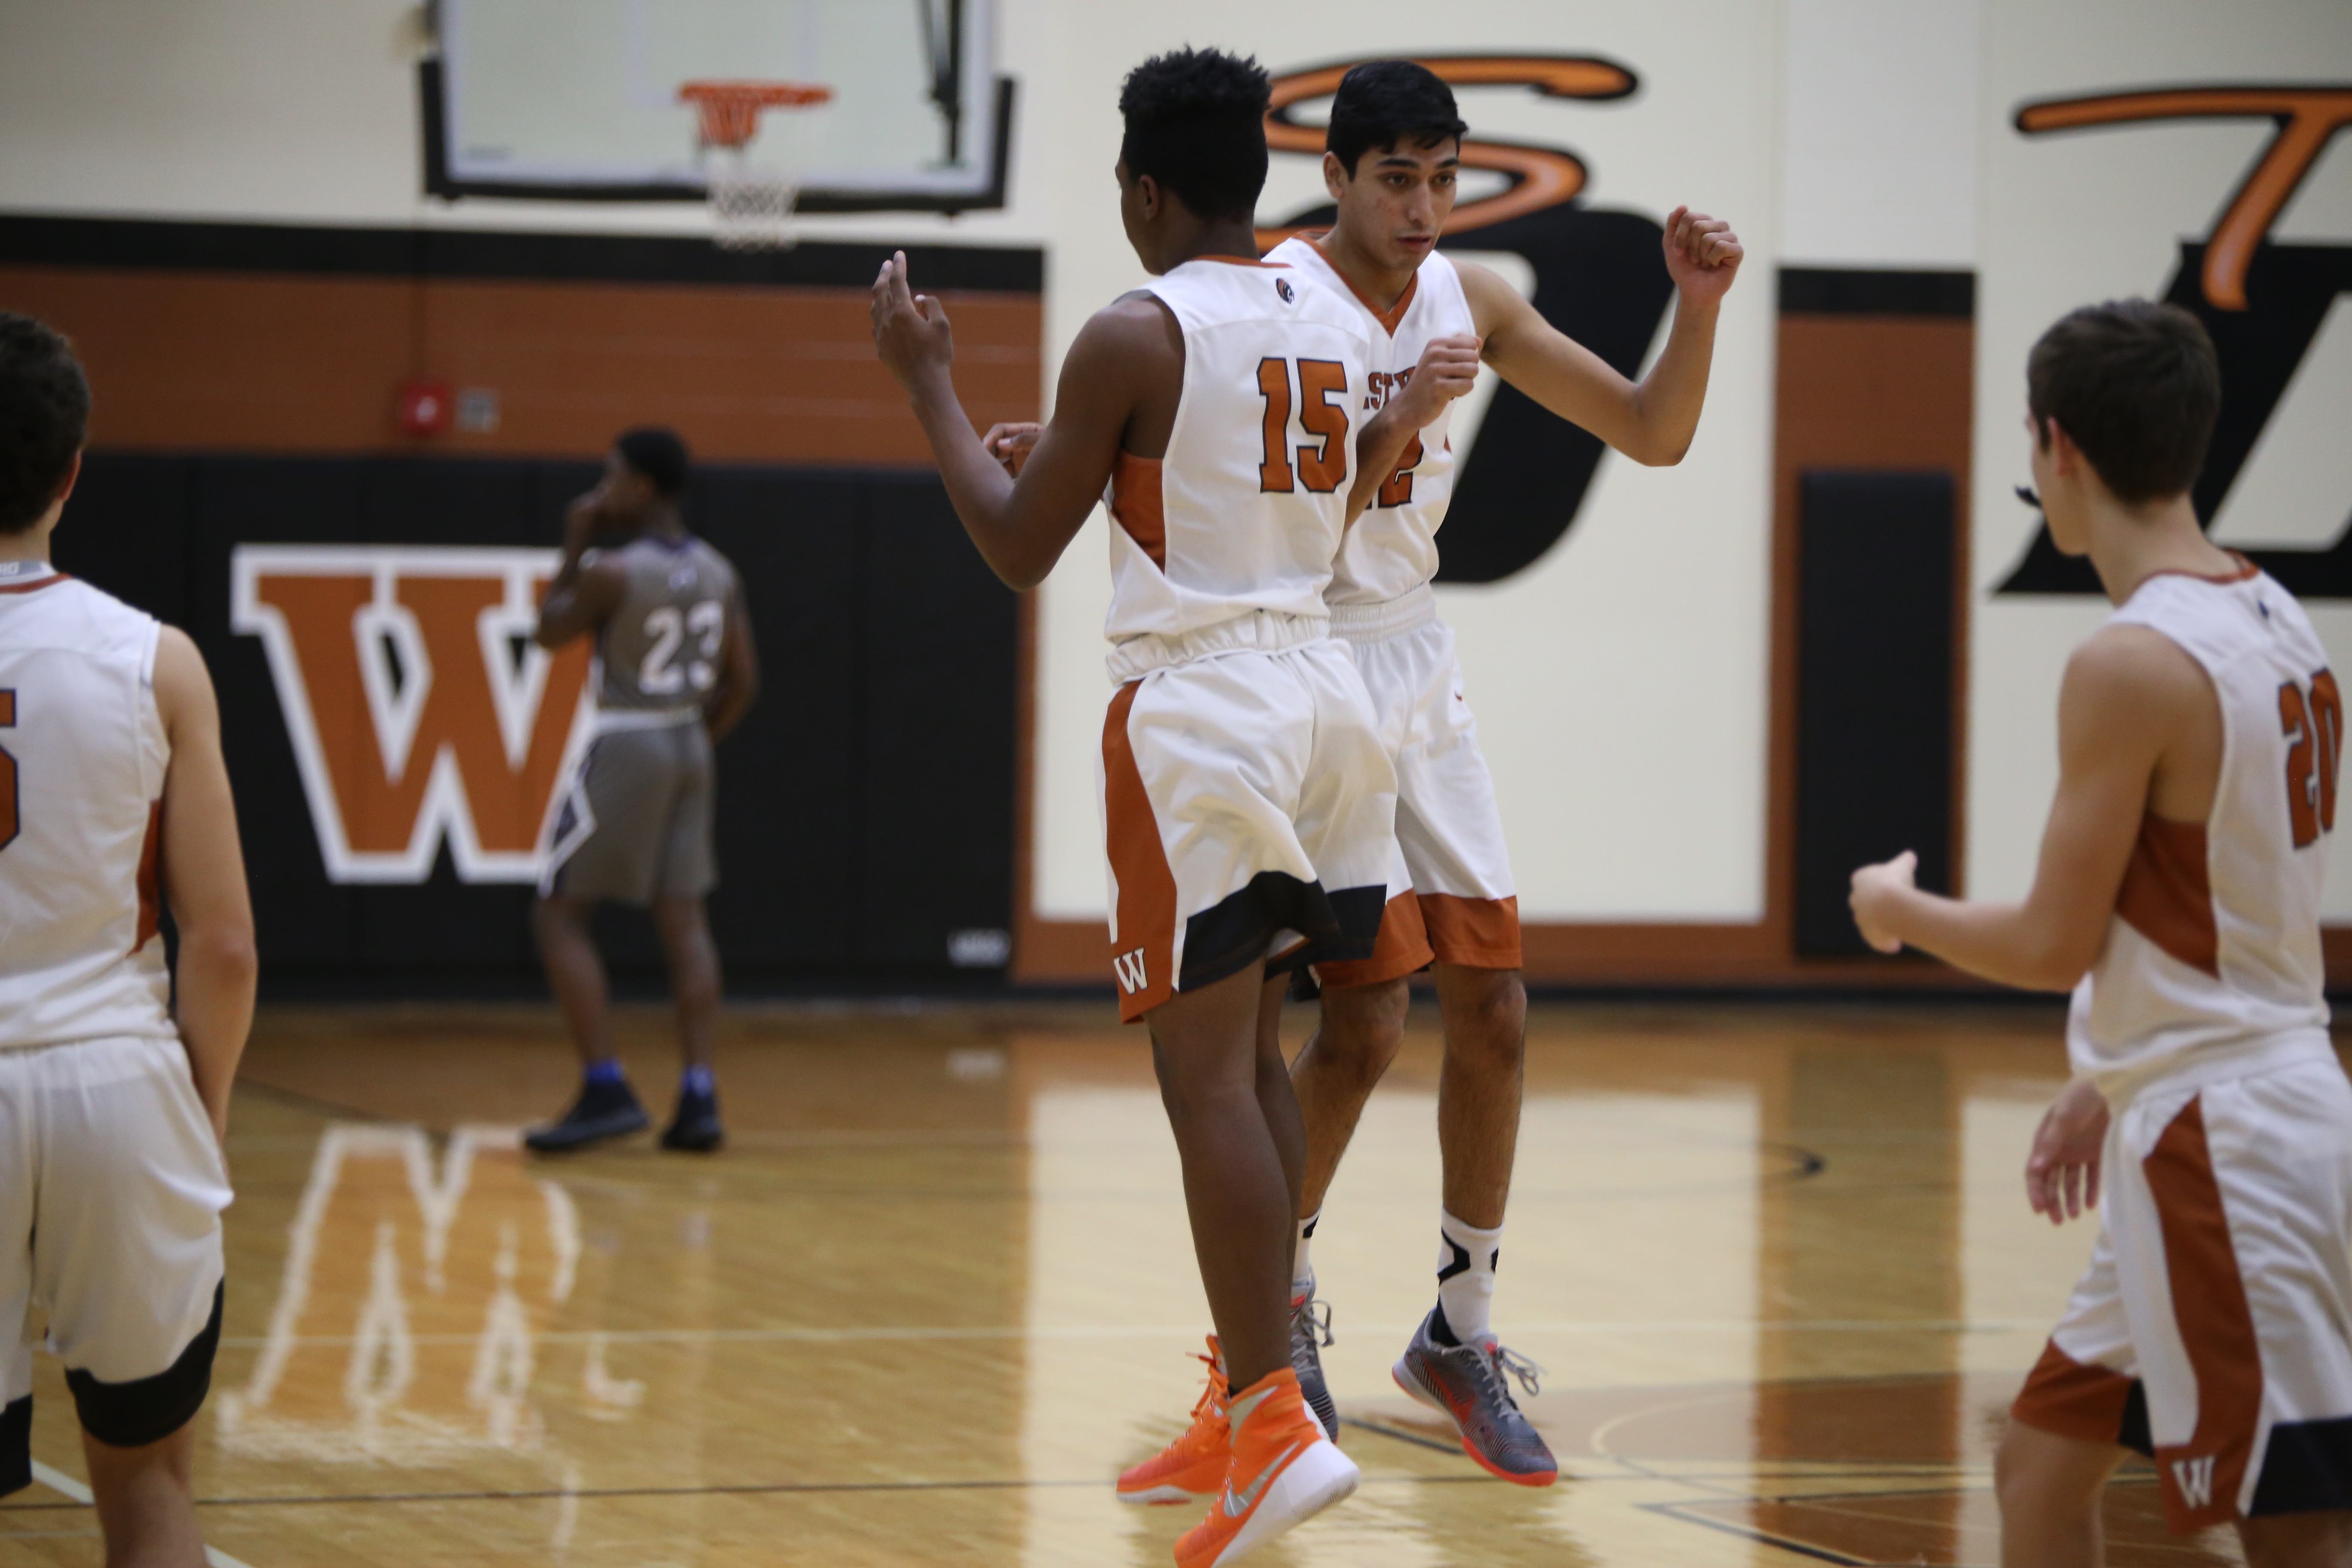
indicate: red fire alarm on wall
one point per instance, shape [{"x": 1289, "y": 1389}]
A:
[{"x": 425, "y": 406}]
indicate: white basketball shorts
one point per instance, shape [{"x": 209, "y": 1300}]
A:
[
  {"x": 1245, "y": 796},
  {"x": 2213, "y": 1329},
  {"x": 1451, "y": 897},
  {"x": 111, "y": 1188}
]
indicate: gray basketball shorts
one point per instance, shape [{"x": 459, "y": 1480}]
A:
[{"x": 635, "y": 823}]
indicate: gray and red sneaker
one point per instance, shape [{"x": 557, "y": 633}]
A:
[{"x": 1469, "y": 1385}]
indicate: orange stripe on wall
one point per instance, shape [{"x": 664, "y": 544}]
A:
[{"x": 214, "y": 362}]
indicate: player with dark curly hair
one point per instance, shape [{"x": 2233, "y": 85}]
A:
[{"x": 1248, "y": 801}]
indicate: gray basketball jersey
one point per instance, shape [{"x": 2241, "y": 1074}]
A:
[{"x": 659, "y": 652}]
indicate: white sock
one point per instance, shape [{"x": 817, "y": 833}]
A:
[
  {"x": 1302, "y": 1272},
  {"x": 1465, "y": 1276}
]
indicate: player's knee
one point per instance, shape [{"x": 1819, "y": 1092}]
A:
[
  {"x": 2298, "y": 1541},
  {"x": 144, "y": 1411},
  {"x": 2036, "y": 1474},
  {"x": 1362, "y": 1029},
  {"x": 1493, "y": 1022}
]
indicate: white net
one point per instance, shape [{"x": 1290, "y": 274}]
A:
[{"x": 751, "y": 207}]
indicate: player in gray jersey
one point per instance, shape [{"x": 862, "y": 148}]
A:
[{"x": 677, "y": 672}]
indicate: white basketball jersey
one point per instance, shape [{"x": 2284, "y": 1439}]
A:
[
  {"x": 81, "y": 788},
  {"x": 1246, "y": 509},
  {"x": 1392, "y": 549},
  {"x": 2214, "y": 949}
]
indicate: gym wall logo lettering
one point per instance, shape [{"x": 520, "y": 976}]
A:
[
  {"x": 2269, "y": 306},
  {"x": 419, "y": 711},
  {"x": 1598, "y": 276}
]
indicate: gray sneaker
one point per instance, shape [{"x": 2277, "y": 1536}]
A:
[
  {"x": 1310, "y": 1330},
  {"x": 1469, "y": 1385}
]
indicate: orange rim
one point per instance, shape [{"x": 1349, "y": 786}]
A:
[{"x": 729, "y": 111}]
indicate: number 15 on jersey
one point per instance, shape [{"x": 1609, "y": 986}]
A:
[{"x": 1322, "y": 463}]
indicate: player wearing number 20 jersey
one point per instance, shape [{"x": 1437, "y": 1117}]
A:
[{"x": 2177, "y": 893}]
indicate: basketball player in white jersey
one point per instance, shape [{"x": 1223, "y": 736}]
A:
[
  {"x": 1246, "y": 797},
  {"x": 676, "y": 671},
  {"x": 2199, "y": 740},
  {"x": 1394, "y": 147},
  {"x": 113, "y": 1101}
]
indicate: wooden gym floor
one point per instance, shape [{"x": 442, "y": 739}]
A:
[{"x": 939, "y": 1289}]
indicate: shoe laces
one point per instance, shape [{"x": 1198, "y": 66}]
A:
[
  {"x": 1212, "y": 1400},
  {"x": 1316, "y": 1315},
  {"x": 1499, "y": 1361}
]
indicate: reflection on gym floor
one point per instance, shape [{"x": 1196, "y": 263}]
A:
[{"x": 1776, "y": 1264}]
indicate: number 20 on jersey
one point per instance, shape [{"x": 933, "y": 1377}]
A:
[{"x": 2313, "y": 727}]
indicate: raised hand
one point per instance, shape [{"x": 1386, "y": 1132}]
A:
[
  {"x": 1448, "y": 368},
  {"x": 1012, "y": 443},
  {"x": 1875, "y": 887},
  {"x": 1703, "y": 255},
  {"x": 2062, "y": 1174},
  {"x": 910, "y": 329}
]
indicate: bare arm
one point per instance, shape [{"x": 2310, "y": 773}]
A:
[
  {"x": 585, "y": 593},
  {"x": 1652, "y": 421},
  {"x": 1127, "y": 356},
  {"x": 2130, "y": 696},
  {"x": 1448, "y": 368},
  {"x": 739, "y": 673},
  {"x": 203, "y": 877}
]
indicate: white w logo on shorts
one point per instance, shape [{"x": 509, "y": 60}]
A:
[
  {"x": 1129, "y": 967},
  {"x": 2194, "y": 1478}
]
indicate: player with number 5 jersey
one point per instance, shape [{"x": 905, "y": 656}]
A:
[
  {"x": 1247, "y": 802},
  {"x": 2177, "y": 895},
  {"x": 676, "y": 671}
]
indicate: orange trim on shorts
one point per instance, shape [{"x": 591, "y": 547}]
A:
[
  {"x": 1476, "y": 933},
  {"x": 2217, "y": 1328},
  {"x": 2165, "y": 895},
  {"x": 1135, "y": 502},
  {"x": 2071, "y": 1399},
  {"x": 1144, "y": 950},
  {"x": 1401, "y": 949},
  {"x": 151, "y": 879}
]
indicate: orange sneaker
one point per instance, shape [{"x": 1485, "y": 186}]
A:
[
  {"x": 1193, "y": 1467},
  {"x": 1285, "y": 1472}
]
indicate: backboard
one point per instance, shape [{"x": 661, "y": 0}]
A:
[{"x": 572, "y": 99}]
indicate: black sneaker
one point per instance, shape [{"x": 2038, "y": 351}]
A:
[
  {"x": 1310, "y": 1330},
  {"x": 695, "y": 1127},
  {"x": 602, "y": 1111}
]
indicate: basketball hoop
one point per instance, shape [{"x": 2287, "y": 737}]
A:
[{"x": 750, "y": 207}]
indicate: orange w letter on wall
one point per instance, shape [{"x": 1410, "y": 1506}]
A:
[{"x": 418, "y": 709}]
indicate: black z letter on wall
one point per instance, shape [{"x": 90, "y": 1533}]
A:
[{"x": 2263, "y": 303}]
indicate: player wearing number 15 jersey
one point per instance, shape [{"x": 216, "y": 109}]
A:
[
  {"x": 1246, "y": 799},
  {"x": 2200, "y": 735},
  {"x": 676, "y": 671}
]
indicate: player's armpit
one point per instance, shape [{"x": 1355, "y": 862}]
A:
[
  {"x": 204, "y": 877},
  {"x": 2131, "y": 702},
  {"x": 1119, "y": 387}
]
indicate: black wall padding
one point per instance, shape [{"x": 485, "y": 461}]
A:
[
  {"x": 865, "y": 808},
  {"x": 1874, "y": 689}
]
